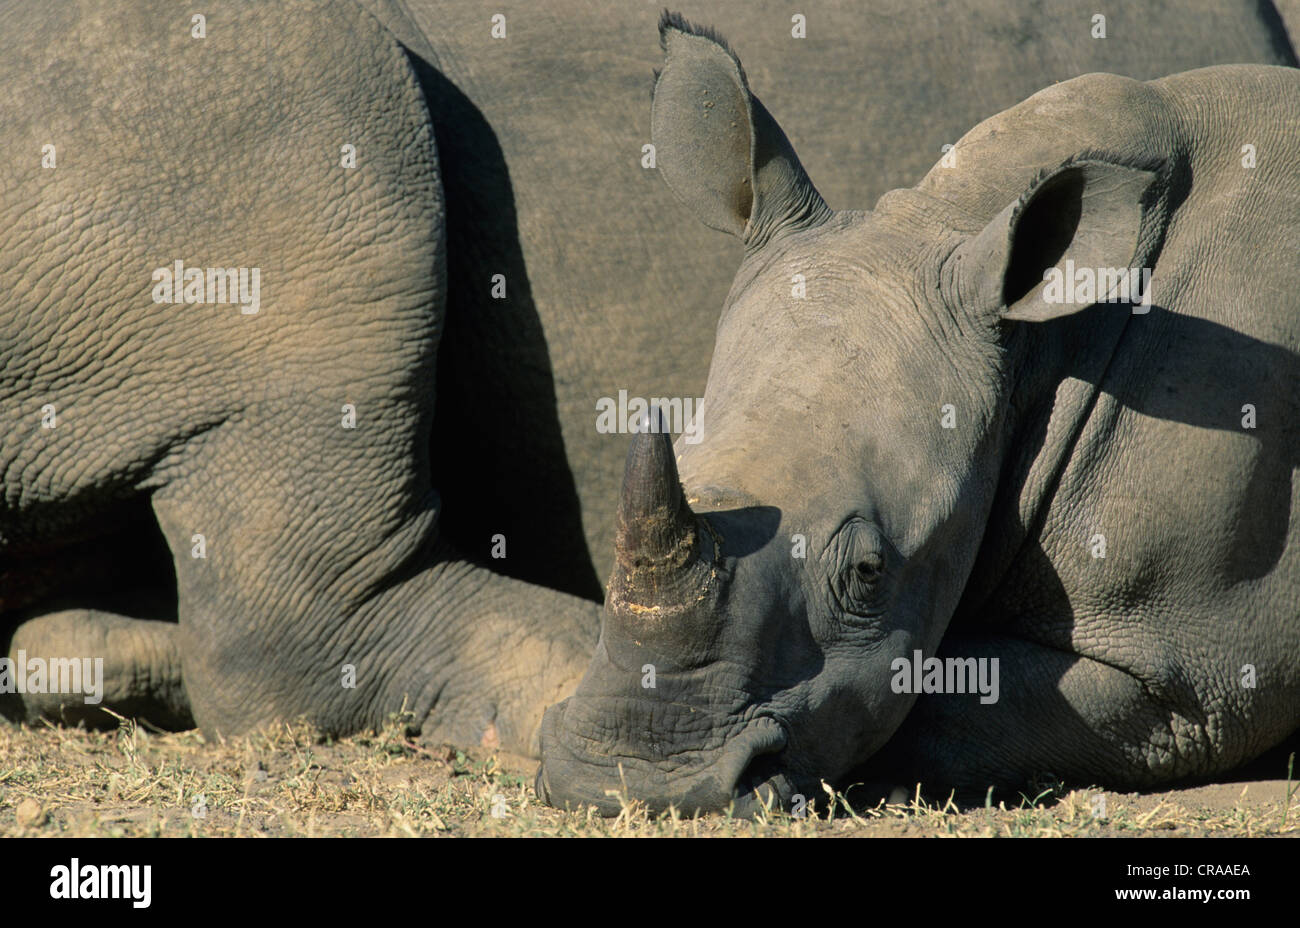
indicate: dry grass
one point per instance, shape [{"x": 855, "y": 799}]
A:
[{"x": 291, "y": 782}]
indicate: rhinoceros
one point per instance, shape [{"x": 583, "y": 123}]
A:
[
  {"x": 957, "y": 517},
  {"x": 298, "y": 510}
]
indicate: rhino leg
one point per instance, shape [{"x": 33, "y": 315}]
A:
[
  {"x": 138, "y": 674},
  {"x": 510, "y": 666},
  {"x": 1064, "y": 716}
]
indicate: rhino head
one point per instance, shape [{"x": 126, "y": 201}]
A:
[{"x": 830, "y": 517}]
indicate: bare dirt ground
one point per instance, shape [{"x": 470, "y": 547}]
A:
[{"x": 292, "y": 782}]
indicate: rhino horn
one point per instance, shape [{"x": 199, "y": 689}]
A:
[{"x": 656, "y": 528}]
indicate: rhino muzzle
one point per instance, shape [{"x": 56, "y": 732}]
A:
[{"x": 739, "y": 774}]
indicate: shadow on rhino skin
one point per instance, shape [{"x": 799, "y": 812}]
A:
[
  {"x": 1195, "y": 358},
  {"x": 118, "y": 562},
  {"x": 498, "y": 454}
]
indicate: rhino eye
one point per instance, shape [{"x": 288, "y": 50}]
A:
[
  {"x": 869, "y": 567},
  {"x": 862, "y": 586},
  {"x": 859, "y": 583}
]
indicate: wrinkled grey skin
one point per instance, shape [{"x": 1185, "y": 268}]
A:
[
  {"x": 824, "y": 420},
  {"x": 323, "y": 556},
  {"x": 476, "y": 157}
]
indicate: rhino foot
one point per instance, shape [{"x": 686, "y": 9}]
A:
[{"x": 71, "y": 666}]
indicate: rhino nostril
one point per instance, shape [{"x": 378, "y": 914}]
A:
[
  {"x": 767, "y": 742},
  {"x": 758, "y": 776}
]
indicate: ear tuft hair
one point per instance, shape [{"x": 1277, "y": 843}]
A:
[{"x": 676, "y": 21}]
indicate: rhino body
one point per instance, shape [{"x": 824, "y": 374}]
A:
[
  {"x": 196, "y": 506},
  {"x": 951, "y": 521}
]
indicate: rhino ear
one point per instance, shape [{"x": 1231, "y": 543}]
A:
[
  {"x": 1095, "y": 214},
  {"x": 718, "y": 148}
]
